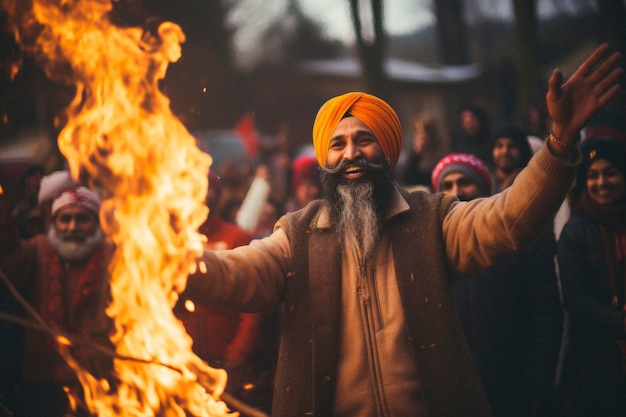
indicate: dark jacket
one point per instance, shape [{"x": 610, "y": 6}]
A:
[
  {"x": 594, "y": 369},
  {"x": 512, "y": 317}
]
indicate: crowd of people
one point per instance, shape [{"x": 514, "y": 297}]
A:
[{"x": 336, "y": 289}]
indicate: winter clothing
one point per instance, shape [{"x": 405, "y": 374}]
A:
[
  {"x": 416, "y": 358},
  {"x": 469, "y": 165},
  {"x": 43, "y": 278},
  {"x": 219, "y": 333},
  {"x": 242, "y": 343},
  {"x": 80, "y": 196},
  {"x": 592, "y": 272},
  {"x": 232, "y": 335},
  {"x": 53, "y": 184},
  {"x": 512, "y": 318},
  {"x": 304, "y": 168}
]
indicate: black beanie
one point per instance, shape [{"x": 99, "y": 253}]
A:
[
  {"x": 613, "y": 150},
  {"x": 518, "y": 136}
]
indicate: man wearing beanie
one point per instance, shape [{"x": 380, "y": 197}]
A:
[
  {"x": 510, "y": 312},
  {"x": 462, "y": 175},
  {"x": 510, "y": 152},
  {"x": 62, "y": 275},
  {"x": 365, "y": 272}
]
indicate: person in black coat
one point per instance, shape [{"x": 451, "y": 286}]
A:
[
  {"x": 510, "y": 313},
  {"x": 591, "y": 255}
]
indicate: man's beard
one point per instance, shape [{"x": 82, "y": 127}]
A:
[
  {"x": 74, "y": 250},
  {"x": 358, "y": 205}
]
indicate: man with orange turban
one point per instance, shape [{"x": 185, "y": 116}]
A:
[
  {"x": 365, "y": 273},
  {"x": 377, "y": 115}
]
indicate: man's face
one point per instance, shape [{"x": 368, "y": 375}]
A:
[
  {"x": 506, "y": 155},
  {"x": 350, "y": 140},
  {"x": 460, "y": 185},
  {"x": 75, "y": 232},
  {"x": 75, "y": 222},
  {"x": 469, "y": 123},
  {"x": 306, "y": 192},
  {"x": 605, "y": 183},
  {"x": 355, "y": 157}
]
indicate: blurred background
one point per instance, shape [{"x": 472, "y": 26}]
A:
[{"x": 265, "y": 67}]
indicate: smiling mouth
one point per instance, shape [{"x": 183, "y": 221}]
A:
[
  {"x": 353, "y": 171},
  {"x": 76, "y": 239}
]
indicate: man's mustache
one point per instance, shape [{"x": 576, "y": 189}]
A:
[
  {"x": 360, "y": 162},
  {"x": 72, "y": 236}
]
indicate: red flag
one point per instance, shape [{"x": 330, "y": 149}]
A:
[{"x": 246, "y": 130}]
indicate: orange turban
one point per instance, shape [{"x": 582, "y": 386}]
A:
[{"x": 377, "y": 115}]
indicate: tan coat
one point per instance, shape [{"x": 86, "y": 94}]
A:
[{"x": 384, "y": 359}]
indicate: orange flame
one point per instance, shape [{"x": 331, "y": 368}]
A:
[{"x": 121, "y": 135}]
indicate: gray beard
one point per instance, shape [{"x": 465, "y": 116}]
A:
[
  {"x": 357, "y": 222},
  {"x": 73, "y": 251}
]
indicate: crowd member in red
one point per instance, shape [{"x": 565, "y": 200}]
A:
[
  {"x": 62, "y": 274},
  {"x": 304, "y": 181},
  {"x": 226, "y": 338}
]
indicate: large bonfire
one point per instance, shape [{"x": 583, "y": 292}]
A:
[{"x": 120, "y": 135}]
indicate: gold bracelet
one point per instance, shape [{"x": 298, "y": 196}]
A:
[{"x": 553, "y": 138}]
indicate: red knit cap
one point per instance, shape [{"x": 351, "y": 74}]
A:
[
  {"x": 304, "y": 167},
  {"x": 80, "y": 196},
  {"x": 466, "y": 163}
]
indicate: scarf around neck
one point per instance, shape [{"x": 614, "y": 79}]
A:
[{"x": 66, "y": 312}]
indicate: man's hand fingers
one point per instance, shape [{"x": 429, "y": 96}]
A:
[
  {"x": 609, "y": 81},
  {"x": 607, "y": 96},
  {"x": 605, "y": 66},
  {"x": 554, "y": 85},
  {"x": 587, "y": 67}
]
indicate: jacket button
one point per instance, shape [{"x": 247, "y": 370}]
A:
[{"x": 325, "y": 379}]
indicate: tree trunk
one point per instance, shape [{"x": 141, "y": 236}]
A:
[
  {"x": 527, "y": 63},
  {"x": 612, "y": 30},
  {"x": 452, "y": 32},
  {"x": 371, "y": 54}
]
